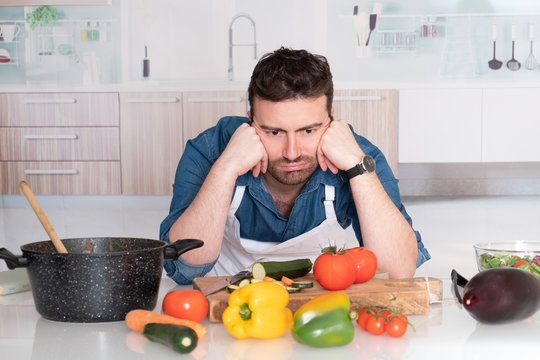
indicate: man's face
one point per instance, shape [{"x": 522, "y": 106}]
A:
[{"x": 290, "y": 131}]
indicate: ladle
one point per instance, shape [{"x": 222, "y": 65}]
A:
[
  {"x": 494, "y": 64},
  {"x": 42, "y": 218}
]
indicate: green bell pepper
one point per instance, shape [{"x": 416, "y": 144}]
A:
[{"x": 324, "y": 321}]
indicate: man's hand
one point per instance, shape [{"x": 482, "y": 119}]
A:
[
  {"x": 245, "y": 152},
  {"x": 338, "y": 149}
]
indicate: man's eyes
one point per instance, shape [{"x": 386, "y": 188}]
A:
[{"x": 280, "y": 132}]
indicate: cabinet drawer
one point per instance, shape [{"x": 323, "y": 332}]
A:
[
  {"x": 59, "y": 109},
  {"x": 61, "y": 178},
  {"x": 59, "y": 143}
]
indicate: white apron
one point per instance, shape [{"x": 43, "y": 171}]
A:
[{"x": 239, "y": 254}]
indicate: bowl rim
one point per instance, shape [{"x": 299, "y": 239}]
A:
[{"x": 497, "y": 246}]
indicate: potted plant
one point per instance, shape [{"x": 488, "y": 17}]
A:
[
  {"x": 43, "y": 18},
  {"x": 43, "y": 15}
]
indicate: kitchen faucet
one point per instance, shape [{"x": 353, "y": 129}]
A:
[{"x": 231, "y": 44}]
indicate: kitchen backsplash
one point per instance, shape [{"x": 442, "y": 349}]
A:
[{"x": 417, "y": 40}]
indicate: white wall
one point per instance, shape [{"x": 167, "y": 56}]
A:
[{"x": 189, "y": 39}]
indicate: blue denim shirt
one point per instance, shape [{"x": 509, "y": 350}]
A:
[{"x": 257, "y": 214}]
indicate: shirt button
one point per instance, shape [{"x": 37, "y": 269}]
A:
[{"x": 288, "y": 231}]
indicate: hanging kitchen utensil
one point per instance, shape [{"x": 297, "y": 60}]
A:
[
  {"x": 531, "y": 62},
  {"x": 494, "y": 64},
  {"x": 513, "y": 64},
  {"x": 42, "y": 218}
]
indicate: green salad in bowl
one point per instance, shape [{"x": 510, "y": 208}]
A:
[{"x": 519, "y": 254}]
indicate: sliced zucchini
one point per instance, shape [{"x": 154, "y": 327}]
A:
[
  {"x": 302, "y": 284},
  {"x": 292, "y": 290},
  {"x": 232, "y": 287},
  {"x": 244, "y": 282},
  {"x": 277, "y": 269}
]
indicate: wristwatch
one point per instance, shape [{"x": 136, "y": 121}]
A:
[{"x": 367, "y": 165}]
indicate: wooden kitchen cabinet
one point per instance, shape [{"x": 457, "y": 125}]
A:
[
  {"x": 203, "y": 109},
  {"x": 60, "y": 143},
  {"x": 374, "y": 115},
  {"x": 511, "y": 125},
  {"x": 151, "y": 141},
  {"x": 440, "y": 125},
  {"x": 59, "y": 109}
]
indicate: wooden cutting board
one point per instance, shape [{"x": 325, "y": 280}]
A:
[{"x": 410, "y": 296}]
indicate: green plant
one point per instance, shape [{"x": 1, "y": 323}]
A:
[{"x": 43, "y": 15}]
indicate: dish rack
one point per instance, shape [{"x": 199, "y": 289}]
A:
[{"x": 396, "y": 41}]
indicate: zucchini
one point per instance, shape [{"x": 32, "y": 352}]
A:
[
  {"x": 232, "y": 287},
  {"x": 244, "y": 282},
  {"x": 292, "y": 290},
  {"x": 277, "y": 269},
  {"x": 302, "y": 284},
  {"x": 180, "y": 338}
]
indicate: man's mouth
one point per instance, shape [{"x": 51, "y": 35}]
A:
[{"x": 293, "y": 166}]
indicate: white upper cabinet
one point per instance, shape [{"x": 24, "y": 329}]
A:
[
  {"x": 440, "y": 125},
  {"x": 511, "y": 125}
]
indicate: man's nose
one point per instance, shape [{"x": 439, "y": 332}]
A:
[{"x": 291, "y": 148}]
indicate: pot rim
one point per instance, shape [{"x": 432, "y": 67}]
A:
[{"x": 160, "y": 244}]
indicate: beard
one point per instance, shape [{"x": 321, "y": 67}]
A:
[{"x": 296, "y": 177}]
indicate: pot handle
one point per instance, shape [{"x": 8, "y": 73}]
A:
[
  {"x": 13, "y": 261},
  {"x": 174, "y": 250}
]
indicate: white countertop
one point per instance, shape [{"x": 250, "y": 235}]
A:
[{"x": 446, "y": 332}]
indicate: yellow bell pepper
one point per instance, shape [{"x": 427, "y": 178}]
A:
[{"x": 258, "y": 310}]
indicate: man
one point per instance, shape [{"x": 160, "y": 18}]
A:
[{"x": 285, "y": 181}]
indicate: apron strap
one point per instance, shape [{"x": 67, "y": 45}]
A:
[
  {"x": 329, "y": 198},
  {"x": 237, "y": 199}
]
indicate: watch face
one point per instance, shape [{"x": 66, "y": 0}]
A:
[{"x": 369, "y": 163}]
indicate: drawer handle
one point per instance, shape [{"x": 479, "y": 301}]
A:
[
  {"x": 358, "y": 98},
  {"x": 50, "y": 101},
  {"x": 51, "y": 137},
  {"x": 153, "y": 100},
  {"x": 51, "y": 172},
  {"x": 215, "y": 99}
]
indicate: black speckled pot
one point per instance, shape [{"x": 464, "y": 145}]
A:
[{"x": 99, "y": 279}]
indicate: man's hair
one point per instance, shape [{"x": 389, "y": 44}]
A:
[{"x": 291, "y": 74}]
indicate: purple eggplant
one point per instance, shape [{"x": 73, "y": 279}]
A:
[{"x": 502, "y": 295}]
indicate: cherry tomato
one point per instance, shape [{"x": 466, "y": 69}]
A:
[
  {"x": 521, "y": 262},
  {"x": 334, "y": 271},
  {"x": 366, "y": 263},
  {"x": 363, "y": 315},
  {"x": 396, "y": 327},
  {"x": 186, "y": 304},
  {"x": 376, "y": 325}
]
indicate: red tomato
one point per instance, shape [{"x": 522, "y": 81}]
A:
[
  {"x": 186, "y": 304},
  {"x": 366, "y": 263},
  {"x": 363, "y": 316},
  {"x": 376, "y": 325},
  {"x": 396, "y": 327},
  {"x": 334, "y": 271},
  {"x": 521, "y": 262}
]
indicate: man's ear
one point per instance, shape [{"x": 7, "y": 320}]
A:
[{"x": 249, "y": 116}]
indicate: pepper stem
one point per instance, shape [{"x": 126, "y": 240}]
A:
[{"x": 245, "y": 311}]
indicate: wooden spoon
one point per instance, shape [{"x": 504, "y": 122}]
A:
[{"x": 42, "y": 218}]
